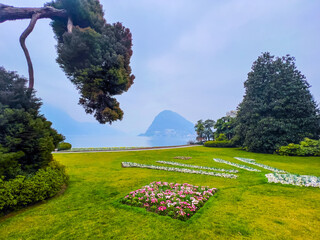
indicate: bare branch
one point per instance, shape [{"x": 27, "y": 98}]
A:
[
  {"x": 15, "y": 13},
  {"x": 23, "y": 37}
]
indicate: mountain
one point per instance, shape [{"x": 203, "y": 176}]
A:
[
  {"x": 170, "y": 124},
  {"x": 79, "y": 134}
]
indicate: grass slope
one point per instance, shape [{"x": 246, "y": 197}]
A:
[{"x": 244, "y": 208}]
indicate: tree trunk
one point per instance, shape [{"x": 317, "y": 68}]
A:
[{"x": 14, "y": 13}]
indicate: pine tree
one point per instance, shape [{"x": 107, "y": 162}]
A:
[{"x": 277, "y": 108}]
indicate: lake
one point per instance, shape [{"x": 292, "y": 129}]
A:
[{"x": 123, "y": 141}]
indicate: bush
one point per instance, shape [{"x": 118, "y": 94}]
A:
[
  {"x": 308, "y": 147},
  {"x": 218, "y": 144},
  {"x": 64, "y": 146},
  {"x": 221, "y": 137},
  {"x": 22, "y": 191}
]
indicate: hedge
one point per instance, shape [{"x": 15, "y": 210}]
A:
[
  {"x": 64, "y": 146},
  {"x": 22, "y": 191},
  {"x": 218, "y": 144},
  {"x": 307, "y": 147}
]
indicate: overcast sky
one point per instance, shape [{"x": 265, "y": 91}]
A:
[{"x": 190, "y": 57}]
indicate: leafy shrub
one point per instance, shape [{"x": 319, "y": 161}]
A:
[
  {"x": 221, "y": 137},
  {"x": 215, "y": 143},
  {"x": 64, "y": 146},
  {"x": 308, "y": 147},
  {"x": 22, "y": 191}
]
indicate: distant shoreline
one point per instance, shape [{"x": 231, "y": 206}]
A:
[{"x": 132, "y": 149}]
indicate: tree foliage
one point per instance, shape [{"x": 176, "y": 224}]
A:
[
  {"x": 95, "y": 56},
  {"x": 277, "y": 108},
  {"x": 26, "y": 137},
  {"x": 225, "y": 125},
  {"x": 204, "y": 129}
]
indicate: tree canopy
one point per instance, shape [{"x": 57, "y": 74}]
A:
[
  {"x": 277, "y": 108},
  {"x": 26, "y": 137},
  {"x": 94, "y": 54}
]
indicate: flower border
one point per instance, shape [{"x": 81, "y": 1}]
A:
[
  {"x": 196, "y": 166},
  {"x": 182, "y": 170},
  {"x": 236, "y": 165}
]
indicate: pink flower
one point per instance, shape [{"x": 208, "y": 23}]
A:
[{"x": 162, "y": 208}]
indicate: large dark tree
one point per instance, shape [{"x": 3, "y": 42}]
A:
[
  {"x": 277, "y": 108},
  {"x": 26, "y": 137},
  {"x": 95, "y": 55}
]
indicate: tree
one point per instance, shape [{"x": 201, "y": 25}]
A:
[
  {"x": 94, "y": 55},
  {"x": 199, "y": 127},
  {"x": 208, "y": 126},
  {"x": 226, "y": 125},
  {"x": 26, "y": 137},
  {"x": 277, "y": 108}
]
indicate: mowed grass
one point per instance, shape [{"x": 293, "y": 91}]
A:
[{"x": 244, "y": 208}]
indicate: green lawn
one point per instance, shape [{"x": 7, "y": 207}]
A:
[{"x": 244, "y": 208}]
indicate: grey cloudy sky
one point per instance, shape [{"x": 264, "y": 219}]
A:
[{"x": 190, "y": 57}]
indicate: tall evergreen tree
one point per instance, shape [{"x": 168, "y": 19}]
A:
[
  {"x": 277, "y": 108},
  {"x": 26, "y": 137}
]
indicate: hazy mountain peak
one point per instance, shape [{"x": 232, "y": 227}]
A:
[{"x": 170, "y": 124}]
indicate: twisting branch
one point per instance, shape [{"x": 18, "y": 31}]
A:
[
  {"x": 23, "y": 37},
  {"x": 15, "y": 13}
]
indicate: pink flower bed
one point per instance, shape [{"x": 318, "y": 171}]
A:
[{"x": 180, "y": 201}]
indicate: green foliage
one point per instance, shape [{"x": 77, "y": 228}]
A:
[
  {"x": 219, "y": 144},
  {"x": 25, "y": 136},
  {"x": 277, "y": 108},
  {"x": 226, "y": 126},
  {"x": 64, "y": 146},
  {"x": 204, "y": 129},
  {"x": 22, "y": 191},
  {"x": 308, "y": 147},
  {"x": 222, "y": 137},
  {"x": 95, "y": 57},
  {"x": 9, "y": 163}
]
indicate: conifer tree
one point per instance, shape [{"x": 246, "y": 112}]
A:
[{"x": 277, "y": 108}]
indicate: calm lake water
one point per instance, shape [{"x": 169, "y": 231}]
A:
[{"x": 123, "y": 141}]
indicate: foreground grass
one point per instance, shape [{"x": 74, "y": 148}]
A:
[{"x": 247, "y": 207}]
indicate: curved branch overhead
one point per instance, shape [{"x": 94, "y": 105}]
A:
[
  {"x": 23, "y": 37},
  {"x": 8, "y": 13}
]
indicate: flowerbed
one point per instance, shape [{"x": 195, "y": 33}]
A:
[
  {"x": 195, "y": 166},
  {"x": 252, "y": 161},
  {"x": 182, "y": 157},
  {"x": 179, "y": 201},
  {"x": 236, "y": 165},
  {"x": 293, "y": 179},
  {"x": 182, "y": 170}
]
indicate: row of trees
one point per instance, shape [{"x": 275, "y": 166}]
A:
[
  {"x": 277, "y": 108},
  {"x": 225, "y": 125}
]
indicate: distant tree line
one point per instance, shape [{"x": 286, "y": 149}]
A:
[{"x": 277, "y": 109}]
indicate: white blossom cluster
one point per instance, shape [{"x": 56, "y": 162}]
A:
[
  {"x": 293, "y": 179},
  {"x": 236, "y": 165},
  {"x": 252, "y": 161},
  {"x": 196, "y": 166},
  {"x": 182, "y": 170}
]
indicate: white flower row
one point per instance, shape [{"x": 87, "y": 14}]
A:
[
  {"x": 237, "y": 165},
  {"x": 195, "y": 166},
  {"x": 183, "y": 170},
  {"x": 252, "y": 161},
  {"x": 293, "y": 179}
]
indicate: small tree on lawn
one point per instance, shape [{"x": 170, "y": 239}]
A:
[{"x": 277, "y": 108}]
